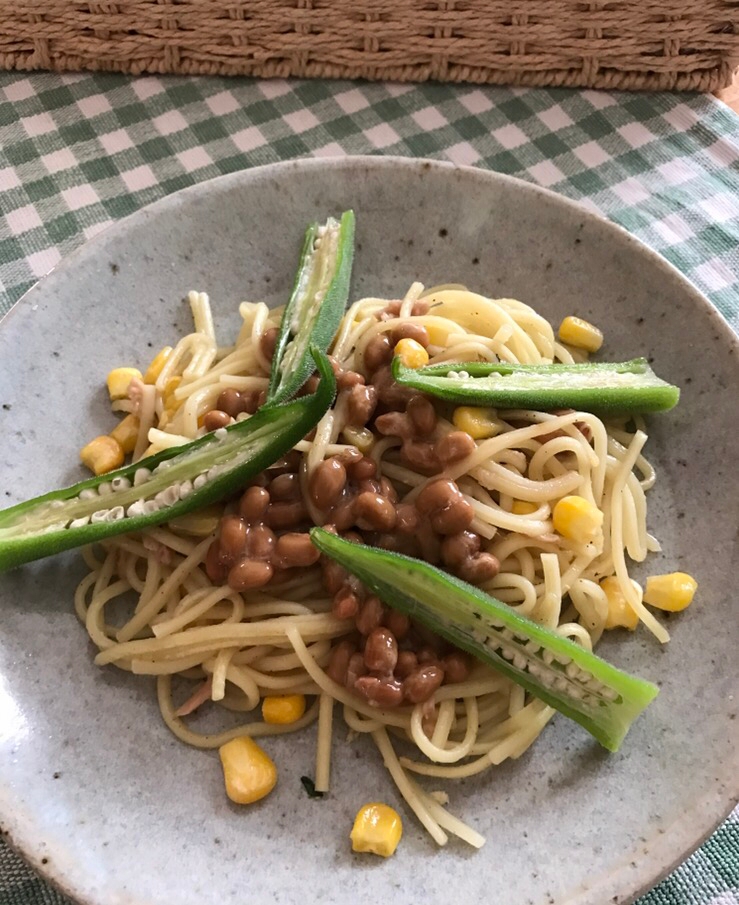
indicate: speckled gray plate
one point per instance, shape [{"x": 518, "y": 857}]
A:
[{"x": 93, "y": 788}]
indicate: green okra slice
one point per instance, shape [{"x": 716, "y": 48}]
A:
[
  {"x": 627, "y": 386},
  {"x": 598, "y": 696},
  {"x": 316, "y": 306},
  {"x": 161, "y": 487}
]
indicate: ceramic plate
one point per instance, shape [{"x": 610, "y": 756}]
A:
[{"x": 107, "y": 804}]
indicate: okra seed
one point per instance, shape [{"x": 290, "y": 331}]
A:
[
  {"x": 89, "y": 493},
  {"x": 140, "y": 476},
  {"x": 120, "y": 483},
  {"x": 200, "y": 481},
  {"x": 98, "y": 516}
]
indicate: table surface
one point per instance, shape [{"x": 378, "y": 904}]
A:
[{"x": 78, "y": 152}]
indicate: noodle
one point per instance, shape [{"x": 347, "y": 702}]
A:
[{"x": 240, "y": 646}]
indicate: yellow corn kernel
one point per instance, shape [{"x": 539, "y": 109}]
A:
[
  {"x": 249, "y": 772},
  {"x": 171, "y": 403},
  {"x": 282, "y": 709},
  {"x": 672, "y": 592},
  {"x": 577, "y": 519},
  {"x": 620, "y": 614},
  {"x": 199, "y": 523},
  {"x": 126, "y": 432},
  {"x": 522, "y": 507},
  {"x": 411, "y": 353},
  {"x": 157, "y": 363},
  {"x": 477, "y": 422},
  {"x": 437, "y": 335},
  {"x": 580, "y": 333},
  {"x": 102, "y": 455},
  {"x": 377, "y": 829},
  {"x": 118, "y": 381}
]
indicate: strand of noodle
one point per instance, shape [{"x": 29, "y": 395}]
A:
[
  {"x": 211, "y": 637},
  {"x": 220, "y": 668},
  {"x": 159, "y": 440},
  {"x": 163, "y": 535},
  {"x": 349, "y": 329},
  {"x": 444, "y": 722},
  {"x": 563, "y": 354},
  {"x": 401, "y": 474},
  {"x": 399, "y": 717},
  {"x": 259, "y": 327},
  {"x": 472, "y": 688},
  {"x": 436, "y": 753},
  {"x": 146, "y": 419},
  {"x": 281, "y": 662},
  {"x": 241, "y": 382},
  {"x": 412, "y": 296},
  {"x": 153, "y": 578},
  {"x": 517, "y": 700},
  {"x": 523, "y": 586},
  {"x": 142, "y": 667},
  {"x": 549, "y": 607},
  {"x": 545, "y": 456},
  {"x": 215, "y": 740},
  {"x": 279, "y": 608},
  {"x": 245, "y": 682},
  {"x": 273, "y": 683},
  {"x": 196, "y": 404},
  {"x": 514, "y": 746},
  {"x": 201, "y": 313},
  {"x": 633, "y": 527},
  {"x": 94, "y": 616},
  {"x": 127, "y": 568},
  {"x": 153, "y": 606},
  {"x": 80, "y": 595},
  {"x": 446, "y": 820},
  {"x": 324, "y": 430},
  {"x": 462, "y": 771},
  {"x": 469, "y": 350},
  {"x": 193, "y": 612},
  {"x": 251, "y": 655},
  {"x": 359, "y": 723},
  {"x": 128, "y": 543},
  {"x": 494, "y": 476},
  {"x": 620, "y": 440},
  {"x": 403, "y": 784},
  {"x": 499, "y": 518},
  {"x": 323, "y": 742},
  {"x": 590, "y": 601},
  {"x": 241, "y": 360},
  {"x": 577, "y": 633},
  {"x": 619, "y": 563}
]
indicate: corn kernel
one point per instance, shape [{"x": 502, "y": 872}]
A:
[
  {"x": 411, "y": 353},
  {"x": 281, "y": 709},
  {"x": 199, "y": 523},
  {"x": 580, "y": 333},
  {"x": 126, "y": 432},
  {"x": 479, "y": 423},
  {"x": 522, "y": 507},
  {"x": 620, "y": 614},
  {"x": 249, "y": 772},
  {"x": 119, "y": 380},
  {"x": 672, "y": 592},
  {"x": 437, "y": 335},
  {"x": 171, "y": 403},
  {"x": 102, "y": 455},
  {"x": 577, "y": 519},
  {"x": 377, "y": 829},
  {"x": 157, "y": 363}
]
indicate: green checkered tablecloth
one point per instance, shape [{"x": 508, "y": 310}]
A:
[{"x": 78, "y": 152}]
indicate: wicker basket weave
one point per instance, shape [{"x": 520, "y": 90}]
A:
[{"x": 657, "y": 44}]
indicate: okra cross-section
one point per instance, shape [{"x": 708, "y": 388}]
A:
[
  {"x": 619, "y": 387},
  {"x": 316, "y": 306},
  {"x": 598, "y": 696},
  {"x": 161, "y": 487}
]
